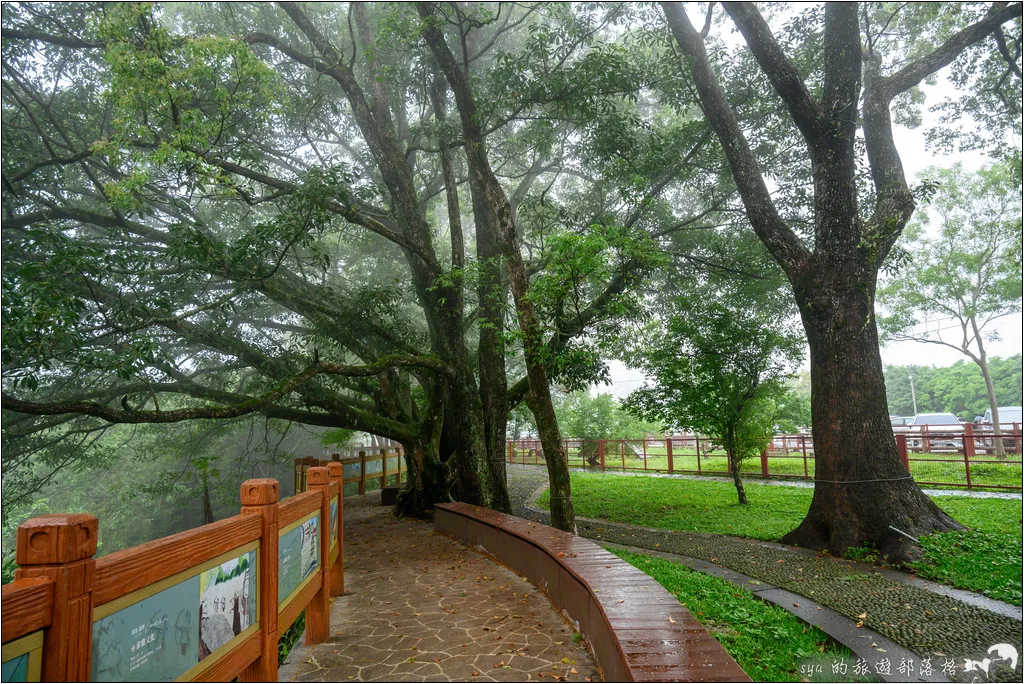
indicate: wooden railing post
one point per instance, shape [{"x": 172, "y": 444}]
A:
[
  {"x": 668, "y": 452},
  {"x": 362, "y": 473},
  {"x": 337, "y": 474},
  {"x": 60, "y": 548},
  {"x": 318, "y": 611},
  {"x": 383, "y": 468},
  {"x": 259, "y": 497},
  {"x": 901, "y": 446},
  {"x": 600, "y": 451},
  {"x": 764, "y": 463}
]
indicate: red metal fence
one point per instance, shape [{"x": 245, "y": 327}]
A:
[{"x": 969, "y": 457}]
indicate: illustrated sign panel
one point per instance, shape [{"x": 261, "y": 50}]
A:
[
  {"x": 334, "y": 522},
  {"x": 162, "y": 636},
  {"x": 15, "y": 669},
  {"x": 298, "y": 556},
  {"x": 22, "y": 659}
]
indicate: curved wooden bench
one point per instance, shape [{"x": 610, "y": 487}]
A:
[{"x": 638, "y": 631}]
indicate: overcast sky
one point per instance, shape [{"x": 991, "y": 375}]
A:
[{"x": 916, "y": 157}]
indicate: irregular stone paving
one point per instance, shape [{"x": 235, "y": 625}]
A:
[
  {"x": 420, "y": 607},
  {"x": 925, "y": 622}
]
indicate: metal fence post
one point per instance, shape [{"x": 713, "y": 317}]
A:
[
  {"x": 803, "y": 447},
  {"x": 969, "y": 450},
  {"x": 901, "y": 446}
]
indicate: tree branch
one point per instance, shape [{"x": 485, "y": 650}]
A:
[
  {"x": 127, "y": 415},
  {"x": 923, "y": 67},
  {"x": 784, "y": 77},
  {"x": 780, "y": 240}
]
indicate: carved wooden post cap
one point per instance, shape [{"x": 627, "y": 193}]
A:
[
  {"x": 334, "y": 469},
  {"x": 260, "y": 491},
  {"x": 318, "y": 475},
  {"x": 56, "y": 539}
]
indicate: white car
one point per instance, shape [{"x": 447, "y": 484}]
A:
[
  {"x": 1008, "y": 415},
  {"x": 1009, "y": 420},
  {"x": 945, "y": 426}
]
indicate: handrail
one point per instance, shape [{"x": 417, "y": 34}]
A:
[
  {"x": 206, "y": 599},
  {"x": 128, "y": 570},
  {"x": 366, "y": 457},
  {"x": 27, "y": 606}
]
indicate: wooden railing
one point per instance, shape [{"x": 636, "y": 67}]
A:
[
  {"x": 367, "y": 464},
  {"x": 207, "y": 604}
]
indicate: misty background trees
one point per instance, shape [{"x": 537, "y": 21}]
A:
[{"x": 416, "y": 220}]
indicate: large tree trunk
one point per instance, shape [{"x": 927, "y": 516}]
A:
[
  {"x": 487, "y": 189},
  {"x": 429, "y": 480},
  {"x": 861, "y": 489},
  {"x": 491, "y": 352}
]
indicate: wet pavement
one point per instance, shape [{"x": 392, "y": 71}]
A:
[
  {"x": 420, "y": 607},
  {"x": 922, "y": 620}
]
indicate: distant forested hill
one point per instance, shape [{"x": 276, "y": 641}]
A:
[{"x": 959, "y": 388}]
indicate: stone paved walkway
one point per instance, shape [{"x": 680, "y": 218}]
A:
[
  {"x": 420, "y": 607},
  {"x": 925, "y": 622}
]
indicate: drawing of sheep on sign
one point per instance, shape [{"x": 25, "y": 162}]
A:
[
  {"x": 310, "y": 547},
  {"x": 225, "y": 596}
]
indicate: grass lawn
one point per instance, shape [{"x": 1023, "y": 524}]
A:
[
  {"x": 767, "y": 642},
  {"x": 986, "y": 559}
]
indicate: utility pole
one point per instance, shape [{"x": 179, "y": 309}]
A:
[{"x": 913, "y": 394}]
